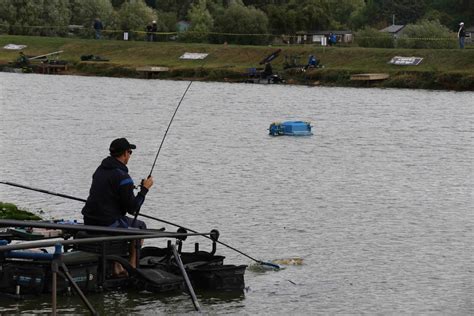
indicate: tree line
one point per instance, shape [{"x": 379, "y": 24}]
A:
[{"x": 233, "y": 21}]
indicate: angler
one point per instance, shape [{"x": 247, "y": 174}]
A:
[{"x": 111, "y": 194}]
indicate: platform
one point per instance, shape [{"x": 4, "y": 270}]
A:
[
  {"x": 370, "y": 77},
  {"x": 45, "y": 68},
  {"x": 150, "y": 71}
]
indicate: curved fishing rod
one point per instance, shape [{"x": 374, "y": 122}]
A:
[
  {"x": 166, "y": 132},
  {"x": 273, "y": 265},
  {"x": 162, "y": 141},
  {"x": 164, "y": 136}
]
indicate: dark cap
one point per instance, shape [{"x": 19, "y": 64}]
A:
[{"x": 120, "y": 145}]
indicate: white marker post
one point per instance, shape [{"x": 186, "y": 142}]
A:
[{"x": 324, "y": 43}]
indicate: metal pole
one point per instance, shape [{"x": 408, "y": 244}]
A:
[
  {"x": 78, "y": 290},
  {"x": 81, "y": 227},
  {"x": 29, "y": 245},
  {"x": 54, "y": 270},
  {"x": 186, "y": 279}
]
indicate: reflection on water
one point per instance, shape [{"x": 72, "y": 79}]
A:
[{"x": 378, "y": 203}]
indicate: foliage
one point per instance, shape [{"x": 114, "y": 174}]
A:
[
  {"x": 41, "y": 17},
  {"x": 313, "y": 14},
  {"x": 370, "y": 37},
  {"x": 11, "y": 211},
  {"x": 426, "y": 34},
  {"x": 133, "y": 15},
  {"x": 287, "y": 17},
  {"x": 201, "y": 23},
  {"x": 239, "y": 19},
  {"x": 341, "y": 12},
  {"x": 179, "y": 7},
  {"x": 166, "y": 21},
  {"x": 453, "y": 11},
  {"x": 83, "y": 12}
]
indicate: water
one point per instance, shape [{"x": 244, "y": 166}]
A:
[{"x": 378, "y": 203}]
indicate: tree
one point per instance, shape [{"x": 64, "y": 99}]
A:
[
  {"x": 39, "y": 17},
  {"x": 201, "y": 22},
  {"x": 180, "y": 7},
  {"x": 314, "y": 15},
  {"x": 85, "y": 11},
  {"x": 117, "y": 3},
  {"x": 367, "y": 16},
  {"x": 133, "y": 16},
  {"x": 282, "y": 20},
  {"x": 341, "y": 12},
  {"x": 239, "y": 19},
  {"x": 166, "y": 21},
  {"x": 453, "y": 11},
  {"x": 56, "y": 13}
]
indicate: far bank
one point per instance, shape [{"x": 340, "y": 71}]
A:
[{"x": 445, "y": 69}]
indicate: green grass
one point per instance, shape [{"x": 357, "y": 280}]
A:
[
  {"x": 231, "y": 61},
  {"x": 11, "y": 211}
]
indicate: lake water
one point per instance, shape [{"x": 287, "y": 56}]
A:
[{"x": 378, "y": 202}]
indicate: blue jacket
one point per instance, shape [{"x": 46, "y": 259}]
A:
[
  {"x": 98, "y": 25},
  {"x": 111, "y": 194}
]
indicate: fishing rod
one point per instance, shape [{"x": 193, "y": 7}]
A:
[
  {"x": 171, "y": 121},
  {"x": 273, "y": 265},
  {"x": 166, "y": 132},
  {"x": 43, "y": 191},
  {"x": 161, "y": 144}
]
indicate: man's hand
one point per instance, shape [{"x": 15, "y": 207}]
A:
[{"x": 148, "y": 182}]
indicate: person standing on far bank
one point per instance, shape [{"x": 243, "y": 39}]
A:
[
  {"x": 98, "y": 27},
  {"x": 154, "y": 29},
  {"x": 149, "y": 35},
  {"x": 111, "y": 194},
  {"x": 461, "y": 35}
]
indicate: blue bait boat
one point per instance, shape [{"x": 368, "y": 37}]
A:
[{"x": 291, "y": 128}]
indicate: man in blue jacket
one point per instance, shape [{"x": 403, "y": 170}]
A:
[
  {"x": 98, "y": 27},
  {"x": 111, "y": 194}
]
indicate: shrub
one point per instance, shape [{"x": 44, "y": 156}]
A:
[
  {"x": 426, "y": 34},
  {"x": 242, "y": 25},
  {"x": 370, "y": 37}
]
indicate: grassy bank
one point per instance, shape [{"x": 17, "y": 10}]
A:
[
  {"x": 450, "y": 69},
  {"x": 11, "y": 211}
]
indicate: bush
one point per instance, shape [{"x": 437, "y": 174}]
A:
[
  {"x": 132, "y": 16},
  {"x": 370, "y": 37},
  {"x": 201, "y": 23},
  {"x": 241, "y": 23},
  {"x": 426, "y": 34}
]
